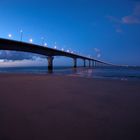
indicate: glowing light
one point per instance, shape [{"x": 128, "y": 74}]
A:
[
  {"x": 9, "y": 35},
  {"x": 31, "y": 40},
  {"x": 55, "y": 47},
  {"x": 62, "y": 49},
  {"x": 45, "y": 44},
  {"x": 68, "y": 50}
]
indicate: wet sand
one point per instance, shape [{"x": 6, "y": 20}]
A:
[{"x": 39, "y": 107}]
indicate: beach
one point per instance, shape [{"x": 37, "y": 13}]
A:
[{"x": 50, "y": 107}]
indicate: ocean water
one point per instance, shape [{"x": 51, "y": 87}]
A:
[{"x": 121, "y": 73}]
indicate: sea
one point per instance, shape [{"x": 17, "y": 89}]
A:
[{"x": 106, "y": 72}]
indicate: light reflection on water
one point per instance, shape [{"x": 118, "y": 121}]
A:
[{"x": 122, "y": 73}]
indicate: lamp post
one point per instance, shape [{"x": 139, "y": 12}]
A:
[{"x": 21, "y": 35}]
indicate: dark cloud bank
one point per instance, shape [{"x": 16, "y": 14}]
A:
[{"x": 13, "y": 56}]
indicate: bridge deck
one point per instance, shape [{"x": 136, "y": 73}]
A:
[{"x": 13, "y": 45}]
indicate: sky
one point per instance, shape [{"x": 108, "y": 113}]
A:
[{"x": 108, "y": 30}]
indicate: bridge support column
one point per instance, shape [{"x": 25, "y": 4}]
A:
[
  {"x": 89, "y": 63},
  {"x": 94, "y": 63},
  {"x": 50, "y": 63},
  {"x": 84, "y": 63},
  {"x": 75, "y": 62}
]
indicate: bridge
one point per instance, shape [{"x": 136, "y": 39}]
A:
[{"x": 12, "y": 45}]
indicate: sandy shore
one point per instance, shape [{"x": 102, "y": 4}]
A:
[{"x": 39, "y": 107}]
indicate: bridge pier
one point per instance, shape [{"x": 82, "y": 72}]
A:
[
  {"x": 84, "y": 62},
  {"x": 97, "y": 64},
  {"x": 50, "y": 63},
  {"x": 75, "y": 62},
  {"x": 94, "y": 63},
  {"x": 89, "y": 63}
]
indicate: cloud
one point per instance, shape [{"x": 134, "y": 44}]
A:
[
  {"x": 117, "y": 22},
  {"x": 14, "y": 56},
  {"x": 98, "y": 55},
  {"x": 98, "y": 52},
  {"x": 114, "y": 19},
  {"x": 133, "y": 18}
]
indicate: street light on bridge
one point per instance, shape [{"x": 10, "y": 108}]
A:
[
  {"x": 45, "y": 44},
  {"x": 55, "y": 47},
  {"x": 31, "y": 40},
  {"x": 10, "y": 35}
]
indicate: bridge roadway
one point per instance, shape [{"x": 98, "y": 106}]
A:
[{"x": 12, "y": 45}]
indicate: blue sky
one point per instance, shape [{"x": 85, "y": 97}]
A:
[{"x": 107, "y": 29}]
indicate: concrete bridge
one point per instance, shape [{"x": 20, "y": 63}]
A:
[{"x": 6, "y": 44}]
